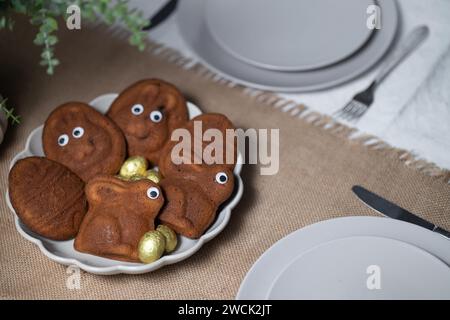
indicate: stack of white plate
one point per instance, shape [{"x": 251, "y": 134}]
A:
[
  {"x": 289, "y": 45},
  {"x": 353, "y": 258}
]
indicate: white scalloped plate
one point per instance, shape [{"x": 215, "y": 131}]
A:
[{"x": 63, "y": 251}]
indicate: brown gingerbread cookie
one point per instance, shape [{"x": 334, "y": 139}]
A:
[
  {"x": 199, "y": 129},
  {"x": 48, "y": 198},
  {"x": 120, "y": 213},
  {"x": 147, "y": 112},
  {"x": 194, "y": 190},
  {"x": 84, "y": 140},
  {"x": 193, "y": 197}
]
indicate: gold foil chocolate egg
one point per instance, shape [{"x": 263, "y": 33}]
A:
[
  {"x": 153, "y": 175},
  {"x": 151, "y": 247},
  {"x": 134, "y": 166},
  {"x": 171, "y": 237},
  {"x": 136, "y": 178}
]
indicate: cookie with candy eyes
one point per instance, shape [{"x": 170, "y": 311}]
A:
[
  {"x": 84, "y": 140},
  {"x": 193, "y": 197},
  {"x": 207, "y": 131},
  {"x": 48, "y": 198},
  {"x": 147, "y": 112},
  {"x": 120, "y": 213},
  {"x": 195, "y": 190}
]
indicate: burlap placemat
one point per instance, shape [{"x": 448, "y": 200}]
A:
[{"x": 318, "y": 166}]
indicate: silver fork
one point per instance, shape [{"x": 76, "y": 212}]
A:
[{"x": 361, "y": 102}]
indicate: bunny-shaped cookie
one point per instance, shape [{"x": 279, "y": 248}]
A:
[
  {"x": 193, "y": 191},
  {"x": 193, "y": 197},
  {"x": 120, "y": 213},
  {"x": 147, "y": 112}
]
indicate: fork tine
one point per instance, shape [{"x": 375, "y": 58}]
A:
[
  {"x": 362, "y": 110},
  {"x": 358, "y": 106},
  {"x": 341, "y": 112},
  {"x": 338, "y": 112},
  {"x": 351, "y": 111}
]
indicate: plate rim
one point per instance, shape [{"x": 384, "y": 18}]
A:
[
  {"x": 410, "y": 246},
  {"x": 119, "y": 267},
  {"x": 273, "y": 67},
  {"x": 297, "y": 88},
  {"x": 360, "y": 220}
]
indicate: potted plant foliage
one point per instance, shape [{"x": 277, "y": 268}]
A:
[{"x": 45, "y": 13}]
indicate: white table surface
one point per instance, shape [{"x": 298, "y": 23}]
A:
[{"x": 412, "y": 106}]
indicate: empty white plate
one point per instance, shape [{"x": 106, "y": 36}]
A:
[
  {"x": 289, "y": 35},
  {"x": 192, "y": 25},
  {"x": 363, "y": 268},
  {"x": 260, "y": 278}
]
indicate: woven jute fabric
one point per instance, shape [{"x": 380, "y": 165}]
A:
[{"x": 318, "y": 166}]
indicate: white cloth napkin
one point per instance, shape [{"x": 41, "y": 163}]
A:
[{"x": 423, "y": 124}]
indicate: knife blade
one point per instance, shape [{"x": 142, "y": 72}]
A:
[{"x": 393, "y": 211}]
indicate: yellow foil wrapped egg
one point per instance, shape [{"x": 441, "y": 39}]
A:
[
  {"x": 136, "y": 178},
  {"x": 151, "y": 246},
  {"x": 171, "y": 237},
  {"x": 134, "y": 166},
  {"x": 153, "y": 175}
]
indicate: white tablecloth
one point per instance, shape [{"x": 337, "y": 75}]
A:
[{"x": 412, "y": 106}]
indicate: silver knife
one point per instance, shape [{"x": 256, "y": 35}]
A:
[{"x": 393, "y": 211}]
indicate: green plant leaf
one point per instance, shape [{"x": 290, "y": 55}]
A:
[
  {"x": 19, "y": 6},
  {"x": 14, "y": 119},
  {"x": 52, "y": 40},
  {"x": 2, "y": 22},
  {"x": 39, "y": 39},
  {"x": 51, "y": 23},
  {"x": 44, "y": 14}
]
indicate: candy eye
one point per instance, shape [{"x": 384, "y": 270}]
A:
[
  {"x": 78, "y": 132},
  {"x": 137, "y": 109},
  {"x": 221, "y": 178},
  {"x": 156, "y": 116},
  {"x": 63, "y": 140},
  {"x": 153, "y": 193}
]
